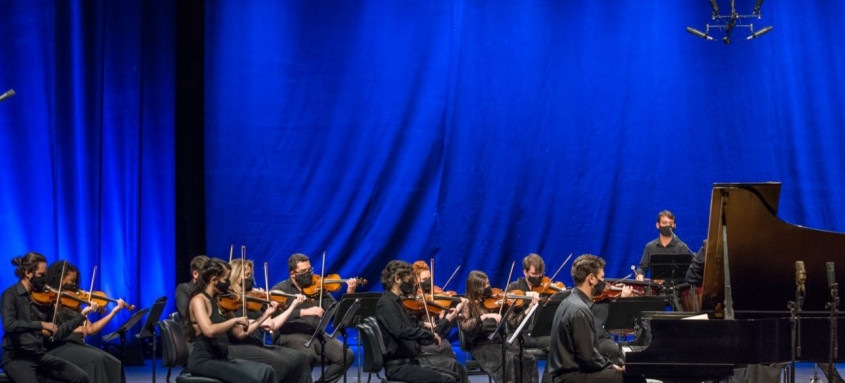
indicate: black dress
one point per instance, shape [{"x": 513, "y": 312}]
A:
[
  {"x": 210, "y": 358},
  {"x": 290, "y": 366},
  {"x": 100, "y": 366}
]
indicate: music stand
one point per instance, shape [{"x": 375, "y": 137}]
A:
[
  {"x": 148, "y": 329},
  {"x": 121, "y": 331},
  {"x": 318, "y": 333},
  {"x": 367, "y": 302},
  {"x": 366, "y": 308},
  {"x": 670, "y": 268},
  {"x": 625, "y": 313},
  {"x": 546, "y": 315}
]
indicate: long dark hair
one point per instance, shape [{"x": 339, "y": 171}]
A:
[
  {"x": 54, "y": 273},
  {"x": 27, "y": 263},
  {"x": 213, "y": 268}
]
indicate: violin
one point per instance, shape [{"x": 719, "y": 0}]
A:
[
  {"x": 48, "y": 297},
  {"x": 100, "y": 298},
  {"x": 415, "y": 305},
  {"x": 233, "y": 302},
  {"x": 330, "y": 283},
  {"x": 612, "y": 292},
  {"x": 498, "y": 299},
  {"x": 547, "y": 287}
]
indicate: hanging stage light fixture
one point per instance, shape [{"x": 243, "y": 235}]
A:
[{"x": 729, "y": 22}]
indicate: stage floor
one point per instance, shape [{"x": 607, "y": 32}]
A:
[{"x": 143, "y": 374}]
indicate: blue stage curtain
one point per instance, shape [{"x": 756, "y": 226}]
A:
[
  {"x": 87, "y": 167},
  {"x": 475, "y": 132}
]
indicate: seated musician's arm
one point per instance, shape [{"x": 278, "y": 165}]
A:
[{"x": 583, "y": 337}]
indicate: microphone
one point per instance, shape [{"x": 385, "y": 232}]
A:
[
  {"x": 698, "y": 33},
  {"x": 800, "y": 278},
  {"x": 760, "y": 33},
  {"x": 9, "y": 93},
  {"x": 831, "y": 275}
]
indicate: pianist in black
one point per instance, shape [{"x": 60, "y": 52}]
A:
[
  {"x": 665, "y": 243},
  {"x": 574, "y": 350}
]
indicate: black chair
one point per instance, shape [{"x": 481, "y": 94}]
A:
[
  {"x": 174, "y": 352},
  {"x": 374, "y": 347},
  {"x": 471, "y": 365}
]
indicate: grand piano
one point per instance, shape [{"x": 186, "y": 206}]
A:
[{"x": 751, "y": 320}]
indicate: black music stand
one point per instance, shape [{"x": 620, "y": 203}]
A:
[
  {"x": 121, "y": 331},
  {"x": 148, "y": 329},
  {"x": 366, "y": 308},
  {"x": 625, "y": 313},
  {"x": 671, "y": 268},
  {"x": 545, "y": 315},
  {"x": 319, "y": 333}
]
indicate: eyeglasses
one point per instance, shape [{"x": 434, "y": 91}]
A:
[{"x": 303, "y": 272}]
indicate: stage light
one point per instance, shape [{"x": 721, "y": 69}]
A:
[
  {"x": 757, "y": 6},
  {"x": 698, "y": 33},
  {"x": 715, "y": 8},
  {"x": 760, "y": 33}
]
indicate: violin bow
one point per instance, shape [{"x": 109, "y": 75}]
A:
[
  {"x": 506, "y": 288},
  {"x": 425, "y": 305},
  {"x": 243, "y": 279},
  {"x": 58, "y": 297},
  {"x": 266, "y": 279},
  {"x": 91, "y": 289},
  {"x": 450, "y": 277},
  {"x": 431, "y": 279},
  {"x": 552, "y": 278},
  {"x": 322, "y": 273}
]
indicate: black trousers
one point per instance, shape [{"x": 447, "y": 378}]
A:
[
  {"x": 335, "y": 368},
  {"x": 415, "y": 373},
  {"x": 100, "y": 366},
  {"x": 22, "y": 368},
  {"x": 290, "y": 366}
]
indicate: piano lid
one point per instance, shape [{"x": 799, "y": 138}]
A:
[{"x": 762, "y": 250}]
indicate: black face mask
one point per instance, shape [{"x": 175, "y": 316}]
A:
[
  {"x": 599, "y": 287},
  {"x": 665, "y": 231},
  {"x": 303, "y": 280},
  {"x": 534, "y": 281},
  {"x": 222, "y": 287},
  {"x": 425, "y": 285},
  {"x": 70, "y": 287},
  {"x": 407, "y": 287},
  {"x": 38, "y": 282},
  {"x": 487, "y": 293},
  {"x": 249, "y": 283}
]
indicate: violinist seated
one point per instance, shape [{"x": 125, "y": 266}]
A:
[
  {"x": 403, "y": 335},
  {"x": 480, "y": 318},
  {"x": 98, "y": 364},
  {"x": 26, "y": 325},
  {"x": 532, "y": 283},
  {"x": 290, "y": 366},
  {"x": 303, "y": 320},
  {"x": 443, "y": 308}
]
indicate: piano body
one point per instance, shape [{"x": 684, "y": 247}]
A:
[{"x": 761, "y": 255}]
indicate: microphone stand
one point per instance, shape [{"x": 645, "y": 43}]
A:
[
  {"x": 833, "y": 305},
  {"x": 795, "y": 324}
]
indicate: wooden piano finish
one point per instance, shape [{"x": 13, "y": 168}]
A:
[{"x": 762, "y": 250}]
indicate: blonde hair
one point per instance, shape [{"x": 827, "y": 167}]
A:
[{"x": 235, "y": 276}]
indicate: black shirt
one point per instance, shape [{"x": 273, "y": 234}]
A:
[
  {"x": 402, "y": 334},
  {"x": 297, "y": 324},
  {"x": 695, "y": 272},
  {"x": 22, "y": 322},
  {"x": 675, "y": 246},
  {"x": 183, "y": 298},
  {"x": 574, "y": 346}
]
